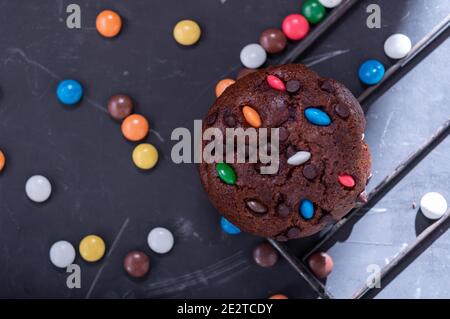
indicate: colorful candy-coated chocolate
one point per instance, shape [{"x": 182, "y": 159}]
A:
[
  {"x": 38, "y": 188},
  {"x": 371, "y": 72},
  {"x": 317, "y": 116},
  {"x": 278, "y": 296},
  {"x": 306, "y": 209},
  {"x": 321, "y": 264},
  {"x": 222, "y": 85},
  {"x": 226, "y": 173},
  {"x": 253, "y": 56},
  {"x": 397, "y": 46},
  {"x": 299, "y": 158},
  {"x": 69, "y": 92},
  {"x": 136, "y": 264},
  {"x": 346, "y": 180},
  {"x": 314, "y": 11},
  {"x": 120, "y": 106},
  {"x": 276, "y": 83},
  {"x": 228, "y": 227},
  {"x": 330, "y": 3},
  {"x": 2, "y": 161},
  {"x": 273, "y": 40},
  {"x": 160, "y": 240},
  {"x": 92, "y": 248},
  {"x": 108, "y": 23},
  {"x": 145, "y": 156},
  {"x": 62, "y": 254},
  {"x": 295, "y": 26},
  {"x": 433, "y": 205},
  {"x": 187, "y": 32},
  {"x": 135, "y": 127},
  {"x": 251, "y": 116}
]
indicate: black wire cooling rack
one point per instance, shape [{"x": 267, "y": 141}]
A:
[{"x": 428, "y": 235}]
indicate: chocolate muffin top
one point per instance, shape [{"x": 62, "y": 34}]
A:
[{"x": 316, "y": 116}]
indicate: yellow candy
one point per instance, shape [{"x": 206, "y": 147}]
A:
[
  {"x": 145, "y": 156},
  {"x": 187, "y": 32},
  {"x": 92, "y": 248}
]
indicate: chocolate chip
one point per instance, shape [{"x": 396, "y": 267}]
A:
[
  {"x": 327, "y": 86},
  {"x": 256, "y": 206},
  {"x": 265, "y": 255},
  {"x": 230, "y": 121},
  {"x": 342, "y": 110},
  {"x": 283, "y": 134},
  {"x": 310, "y": 171},
  {"x": 294, "y": 232},
  {"x": 362, "y": 198},
  {"x": 290, "y": 151},
  {"x": 211, "y": 119},
  {"x": 283, "y": 210},
  {"x": 292, "y": 86}
]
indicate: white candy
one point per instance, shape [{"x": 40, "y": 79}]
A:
[
  {"x": 397, "y": 46},
  {"x": 38, "y": 188},
  {"x": 330, "y": 3},
  {"x": 299, "y": 158},
  {"x": 253, "y": 56},
  {"x": 160, "y": 240},
  {"x": 433, "y": 205},
  {"x": 62, "y": 254}
]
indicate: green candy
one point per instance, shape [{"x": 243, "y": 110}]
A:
[
  {"x": 313, "y": 11},
  {"x": 226, "y": 173}
]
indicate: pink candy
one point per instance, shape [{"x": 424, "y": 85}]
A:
[
  {"x": 346, "y": 181},
  {"x": 276, "y": 83}
]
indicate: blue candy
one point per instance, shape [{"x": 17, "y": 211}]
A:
[
  {"x": 306, "y": 209},
  {"x": 371, "y": 72},
  {"x": 317, "y": 116},
  {"x": 69, "y": 92},
  {"x": 228, "y": 227}
]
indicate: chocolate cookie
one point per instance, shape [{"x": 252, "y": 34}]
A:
[{"x": 323, "y": 163}]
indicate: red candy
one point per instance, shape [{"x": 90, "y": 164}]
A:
[
  {"x": 276, "y": 83},
  {"x": 346, "y": 181},
  {"x": 295, "y": 26}
]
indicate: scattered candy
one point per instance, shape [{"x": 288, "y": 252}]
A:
[
  {"x": 2, "y": 161},
  {"x": 292, "y": 86},
  {"x": 299, "y": 158},
  {"x": 276, "y": 83},
  {"x": 108, "y": 23},
  {"x": 265, "y": 255},
  {"x": 243, "y": 72},
  {"x": 433, "y": 205},
  {"x": 371, "y": 72},
  {"x": 253, "y": 56},
  {"x": 69, "y": 92},
  {"x": 317, "y": 116},
  {"x": 397, "y": 46},
  {"x": 222, "y": 85},
  {"x": 321, "y": 264},
  {"x": 62, "y": 254},
  {"x": 135, "y": 127},
  {"x": 92, "y": 248},
  {"x": 346, "y": 180},
  {"x": 136, "y": 264},
  {"x": 251, "y": 116},
  {"x": 120, "y": 106},
  {"x": 145, "y": 156},
  {"x": 228, "y": 227},
  {"x": 273, "y": 40},
  {"x": 330, "y": 3},
  {"x": 314, "y": 11},
  {"x": 295, "y": 26},
  {"x": 187, "y": 32},
  {"x": 306, "y": 209},
  {"x": 38, "y": 188},
  {"x": 226, "y": 173},
  {"x": 160, "y": 240},
  {"x": 256, "y": 206},
  {"x": 278, "y": 296}
]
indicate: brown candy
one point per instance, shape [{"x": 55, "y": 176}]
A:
[
  {"x": 256, "y": 206},
  {"x": 273, "y": 40},
  {"x": 321, "y": 264},
  {"x": 310, "y": 171},
  {"x": 136, "y": 264},
  {"x": 292, "y": 86},
  {"x": 120, "y": 106},
  {"x": 265, "y": 255},
  {"x": 342, "y": 110}
]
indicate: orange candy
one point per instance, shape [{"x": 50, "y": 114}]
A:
[
  {"x": 108, "y": 23},
  {"x": 222, "y": 85},
  {"x": 135, "y": 127},
  {"x": 2, "y": 161},
  {"x": 251, "y": 116},
  {"x": 278, "y": 296}
]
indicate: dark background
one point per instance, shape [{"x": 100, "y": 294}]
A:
[{"x": 97, "y": 189}]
